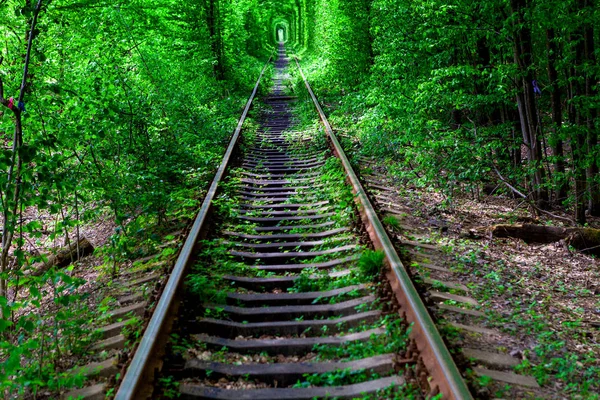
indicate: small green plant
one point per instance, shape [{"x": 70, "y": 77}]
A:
[
  {"x": 371, "y": 262},
  {"x": 502, "y": 392},
  {"x": 181, "y": 345},
  {"x": 392, "y": 222},
  {"x": 208, "y": 289},
  {"x": 484, "y": 380},
  {"x": 170, "y": 387},
  {"x": 133, "y": 329},
  {"x": 394, "y": 340}
]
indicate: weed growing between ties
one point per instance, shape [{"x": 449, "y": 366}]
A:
[
  {"x": 393, "y": 340},
  {"x": 371, "y": 263},
  {"x": 338, "y": 378},
  {"x": 392, "y": 223}
]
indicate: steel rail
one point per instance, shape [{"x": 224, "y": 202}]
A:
[
  {"x": 140, "y": 371},
  {"x": 433, "y": 351}
]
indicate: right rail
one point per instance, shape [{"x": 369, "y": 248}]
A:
[{"x": 440, "y": 365}]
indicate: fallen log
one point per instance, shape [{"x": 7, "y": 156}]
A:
[
  {"x": 586, "y": 240},
  {"x": 63, "y": 257},
  {"x": 583, "y": 239},
  {"x": 531, "y": 233}
]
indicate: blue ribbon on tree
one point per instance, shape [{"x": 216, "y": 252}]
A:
[
  {"x": 22, "y": 106},
  {"x": 536, "y": 88}
]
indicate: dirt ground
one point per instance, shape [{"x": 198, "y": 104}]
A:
[{"x": 543, "y": 298}]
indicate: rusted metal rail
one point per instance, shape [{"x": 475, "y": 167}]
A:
[
  {"x": 137, "y": 382},
  {"x": 442, "y": 370}
]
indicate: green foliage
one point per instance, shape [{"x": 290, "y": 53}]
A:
[
  {"x": 444, "y": 91},
  {"x": 371, "y": 262},
  {"x": 392, "y": 221},
  {"x": 206, "y": 288},
  {"x": 42, "y": 339},
  {"x": 133, "y": 329},
  {"x": 341, "y": 50},
  {"x": 393, "y": 341},
  {"x": 169, "y": 387},
  {"x": 128, "y": 110}
]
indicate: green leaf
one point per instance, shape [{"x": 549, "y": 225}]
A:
[{"x": 4, "y": 325}]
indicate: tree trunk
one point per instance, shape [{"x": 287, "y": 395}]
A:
[
  {"x": 213, "y": 23},
  {"x": 512, "y": 115},
  {"x": 578, "y": 137},
  {"x": 64, "y": 256},
  {"x": 591, "y": 114},
  {"x": 11, "y": 193},
  {"x": 583, "y": 239},
  {"x": 528, "y": 113},
  {"x": 557, "y": 148}
]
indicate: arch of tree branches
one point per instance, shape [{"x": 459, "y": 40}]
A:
[{"x": 281, "y": 31}]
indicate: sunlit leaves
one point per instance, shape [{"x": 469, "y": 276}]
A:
[{"x": 125, "y": 112}]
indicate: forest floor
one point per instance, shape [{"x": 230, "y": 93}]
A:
[
  {"x": 68, "y": 304},
  {"x": 544, "y": 297}
]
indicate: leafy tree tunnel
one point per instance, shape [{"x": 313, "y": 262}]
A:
[{"x": 124, "y": 108}]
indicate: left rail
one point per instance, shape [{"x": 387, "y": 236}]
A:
[{"x": 138, "y": 380}]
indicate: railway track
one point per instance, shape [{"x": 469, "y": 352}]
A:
[
  {"x": 448, "y": 290},
  {"x": 283, "y": 297}
]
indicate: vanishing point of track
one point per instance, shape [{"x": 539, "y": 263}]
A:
[{"x": 292, "y": 226}]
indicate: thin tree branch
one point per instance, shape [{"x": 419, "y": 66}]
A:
[
  {"x": 2, "y": 86},
  {"x": 36, "y": 12},
  {"x": 519, "y": 193},
  {"x": 511, "y": 187}
]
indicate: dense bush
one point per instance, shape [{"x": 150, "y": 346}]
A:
[{"x": 463, "y": 92}]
